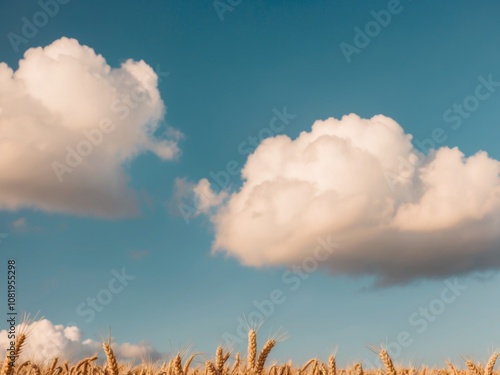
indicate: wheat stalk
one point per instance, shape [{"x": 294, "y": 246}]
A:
[
  {"x": 472, "y": 367},
  {"x": 386, "y": 360},
  {"x": 8, "y": 368},
  {"x": 236, "y": 364},
  {"x": 452, "y": 368},
  {"x": 210, "y": 368},
  {"x": 82, "y": 363},
  {"x": 332, "y": 368},
  {"x": 52, "y": 366},
  {"x": 268, "y": 346},
  {"x": 252, "y": 349},
  {"x": 178, "y": 365},
  {"x": 170, "y": 368},
  {"x": 110, "y": 356},
  {"x": 322, "y": 369},
  {"x": 36, "y": 369},
  {"x": 358, "y": 369},
  {"x": 491, "y": 364},
  {"x": 188, "y": 363},
  {"x": 23, "y": 365},
  {"x": 219, "y": 360},
  {"x": 307, "y": 364}
]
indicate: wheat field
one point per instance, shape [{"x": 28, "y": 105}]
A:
[{"x": 225, "y": 363}]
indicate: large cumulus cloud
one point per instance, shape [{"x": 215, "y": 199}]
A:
[
  {"x": 399, "y": 214},
  {"x": 69, "y": 126}
]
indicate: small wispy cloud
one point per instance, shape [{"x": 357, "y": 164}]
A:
[
  {"x": 20, "y": 224},
  {"x": 139, "y": 254}
]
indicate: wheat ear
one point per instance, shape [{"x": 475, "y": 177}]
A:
[
  {"x": 252, "y": 349},
  {"x": 8, "y": 368},
  {"x": 358, "y": 369},
  {"x": 110, "y": 356},
  {"x": 491, "y": 364},
  {"x": 236, "y": 364},
  {"x": 52, "y": 366},
  {"x": 188, "y": 363},
  {"x": 219, "y": 360},
  {"x": 472, "y": 367},
  {"x": 178, "y": 365},
  {"x": 307, "y": 364},
  {"x": 36, "y": 369},
  {"x": 323, "y": 369},
  {"x": 387, "y": 361},
  {"x": 268, "y": 346},
  {"x": 452, "y": 368},
  {"x": 332, "y": 367},
  {"x": 210, "y": 368}
]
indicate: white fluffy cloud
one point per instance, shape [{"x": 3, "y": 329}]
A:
[
  {"x": 69, "y": 126},
  {"x": 398, "y": 214},
  {"x": 47, "y": 341}
]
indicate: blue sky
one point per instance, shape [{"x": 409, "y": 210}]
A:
[{"x": 225, "y": 78}]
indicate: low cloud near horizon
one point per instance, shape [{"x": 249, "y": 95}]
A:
[
  {"x": 399, "y": 215},
  {"x": 70, "y": 125},
  {"x": 46, "y": 341}
]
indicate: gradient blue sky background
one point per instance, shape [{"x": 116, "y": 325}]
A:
[{"x": 225, "y": 78}]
